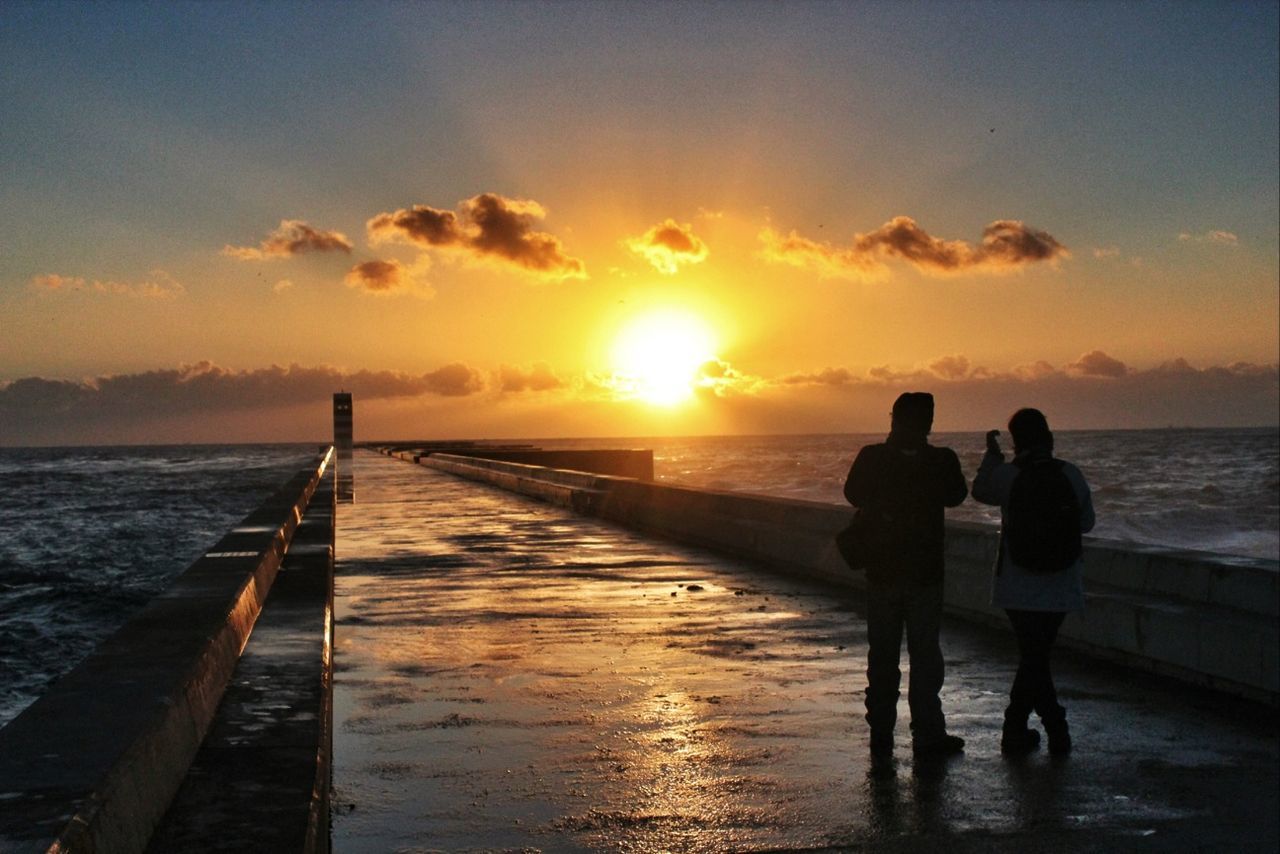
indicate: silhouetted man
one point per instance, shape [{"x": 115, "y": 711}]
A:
[
  {"x": 1045, "y": 506},
  {"x": 901, "y": 487}
]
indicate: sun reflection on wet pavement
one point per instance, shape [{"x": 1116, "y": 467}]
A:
[{"x": 510, "y": 676}]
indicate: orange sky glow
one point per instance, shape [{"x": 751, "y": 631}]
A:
[{"x": 712, "y": 220}]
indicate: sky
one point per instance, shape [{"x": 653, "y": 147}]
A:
[{"x": 520, "y": 219}]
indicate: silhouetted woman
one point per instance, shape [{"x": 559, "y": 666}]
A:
[{"x": 1045, "y": 506}]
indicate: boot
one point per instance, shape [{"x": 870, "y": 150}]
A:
[
  {"x": 1016, "y": 740},
  {"x": 938, "y": 745},
  {"x": 881, "y": 744},
  {"x": 1016, "y": 737},
  {"x": 1059, "y": 736}
]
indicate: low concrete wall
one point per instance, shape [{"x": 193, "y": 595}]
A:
[
  {"x": 632, "y": 463},
  {"x": 93, "y": 764},
  {"x": 261, "y": 778},
  {"x": 1209, "y": 619}
]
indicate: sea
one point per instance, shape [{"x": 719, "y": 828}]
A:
[{"x": 88, "y": 535}]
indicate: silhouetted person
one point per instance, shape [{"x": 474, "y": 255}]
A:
[
  {"x": 901, "y": 487},
  {"x": 1045, "y": 506}
]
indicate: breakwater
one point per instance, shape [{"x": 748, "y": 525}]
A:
[
  {"x": 94, "y": 763},
  {"x": 1211, "y": 620}
]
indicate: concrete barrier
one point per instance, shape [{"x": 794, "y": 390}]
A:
[
  {"x": 93, "y": 764},
  {"x": 1212, "y": 620},
  {"x": 633, "y": 463},
  {"x": 261, "y": 778}
]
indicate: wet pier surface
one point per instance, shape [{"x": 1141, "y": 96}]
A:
[{"x": 513, "y": 677}]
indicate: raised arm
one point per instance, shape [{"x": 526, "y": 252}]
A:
[{"x": 990, "y": 485}]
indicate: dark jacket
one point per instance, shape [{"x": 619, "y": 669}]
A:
[{"x": 903, "y": 487}]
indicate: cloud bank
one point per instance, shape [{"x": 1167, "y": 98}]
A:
[
  {"x": 206, "y": 387},
  {"x": 1093, "y": 391},
  {"x": 1007, "y": 245},
  {"x": 538, "y": 377},
  {"x": 293, "y": 237},
  {"x": 669, "y": 245},
  {"x": 485, "y": 228}
]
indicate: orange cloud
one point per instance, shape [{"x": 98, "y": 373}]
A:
[
  {"x": 1006, "y": 245},
  {"x": 951, "y": 367},
  {"x": 720, "y": 379},
  {"x": 488, "y": 227},
  {"x": 668, "y": 245},
  {"x": 293, "y": 237},
  {"x": 419, "y": 225},
  {"x": 827, "y": 376},
  {"x": 1097, "y": 364},
  {"x": 823, "y": 258},
  {"x": 159, "y": 285}
]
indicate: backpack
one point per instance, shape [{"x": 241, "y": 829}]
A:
[{"x": 1042, "y": 522}]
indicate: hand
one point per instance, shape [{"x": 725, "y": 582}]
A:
[{"x": 993, "y": 442}]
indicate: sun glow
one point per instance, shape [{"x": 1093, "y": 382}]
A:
[{"x": 657, "y": 357}]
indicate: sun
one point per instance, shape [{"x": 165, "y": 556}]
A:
[{"x": 656, "y": 358}]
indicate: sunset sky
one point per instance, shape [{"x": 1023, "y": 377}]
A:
[{"x": 603, "y": 219}]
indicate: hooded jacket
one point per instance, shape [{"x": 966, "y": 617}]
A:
[{"x": 903, "y": 486}]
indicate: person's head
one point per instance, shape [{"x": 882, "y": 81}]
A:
[
  {"x": 1030, "y": 431},
  {"x": 913, "y": 413}
]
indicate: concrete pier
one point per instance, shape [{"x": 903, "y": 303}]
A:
[
  {"x": 1212, "y": 620},
  {"x": 93, "y": 765},
  {"x": 513, "y": 675}
]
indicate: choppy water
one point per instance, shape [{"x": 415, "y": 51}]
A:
[
  {"x": 1211, "y": 490},
  {"x": 88, "y": 535}
]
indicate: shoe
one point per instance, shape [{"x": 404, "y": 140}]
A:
[
  {"x": 942, "y": 745},
  {"x": 1019, "y": 740},
  {"x": 1059, "y": 737},
  {"x": 881, "y": 745}
]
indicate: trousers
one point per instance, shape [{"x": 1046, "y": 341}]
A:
[
  {"x": 1033, "y": 688},
  {"x": 891, "y": 607}
]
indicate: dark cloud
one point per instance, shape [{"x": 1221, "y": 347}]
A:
[
  {"x": 1098, "y": 364},
  {"x": 205, "y": 387},
  {"x": 668, "y": 245},
  {"x": 420, "y": 225},
  {"x": 453, "y": 380},
  {"x": 293, "y": 237},
  {"x": 391, "y": 276},
  {"x": 487, "y": 227},
  {"x": 376, "y": 276},
  {"x": 539, "y": 377},
  {"x": 1010, "y": 243},
  {"x": 1006, "y": 245}
]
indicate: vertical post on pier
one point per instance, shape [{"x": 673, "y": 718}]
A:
[{"x": 342, "y": 433}]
